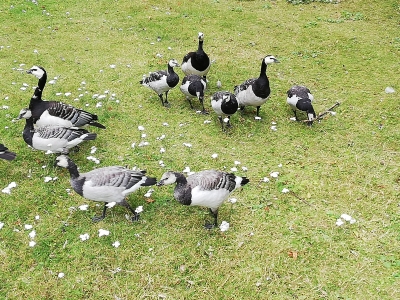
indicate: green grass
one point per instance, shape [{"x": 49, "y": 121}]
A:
[{"x": 348, "y": 163}]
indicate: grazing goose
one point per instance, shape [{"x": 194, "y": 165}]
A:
[
  {"x": 193, "y": 86},
  {"x": 197, "y": 63},
  {"x": 5, "y": 154},
  {"x": 108, "y": 184},
  {"x": 255, "y": 91},
  {"x": 55, "y": 113},
  {"x": 162, "y": 81},
  {"x": 300, "y": 98},
  {"x": 224, "y": 104},
  {"x": 53, "y": 138},
  {"x": 206, "y": 188}
]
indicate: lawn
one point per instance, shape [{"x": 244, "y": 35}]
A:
[{"x": 279, "y": 245}]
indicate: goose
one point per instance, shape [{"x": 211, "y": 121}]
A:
[
  {"x": 55, "y": 113},
  {"x": 255, "y": 91},
  {"x": 193, "y": 86},
  {"x": 162, "y": 81},
  {"x": 53, "y": 138},
  {"x": 197, "y": 63},
  {"x": 209, "y": 188},
  {"x": 107, "y": 184},
  {"x": 224, "y": 104},
  {"x": 300, "y": 98},
  {"x": 5, "y": 154}
]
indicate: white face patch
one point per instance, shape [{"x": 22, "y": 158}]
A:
[
  {"x": 168, "y": 178},
  {"x": 25, "y": 113},
  {"x": 38, "y": 72},
  {"x": 62, "y": 161}
]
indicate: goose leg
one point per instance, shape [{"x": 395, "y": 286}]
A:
[
  {"x": 215, "y": 216},
  {"x": 204, "y": 112},
  {"x": 103, "y": 215},
  {"x": 190, "y": 102},
  {"x": 166, "y": 103},
  {"x": 161, "y": 98},
  {"x": 135, "y": 216},
  {"x": 258, "y": 111},
  {"x": 221, "y": 121},
  {"x": 295, "y": 115}
]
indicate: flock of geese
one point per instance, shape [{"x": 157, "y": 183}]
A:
[{"x": 56, "y": 127}]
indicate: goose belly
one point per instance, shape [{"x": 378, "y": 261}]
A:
[
  {"x": 159, "y": 86},
  {"x": 212, "y": 199},
  {"x": 48, "y": 120},
  {"x": 185, "y": 90},
  {"x": 216, "y": 105},
  {"x": 102, "y": 193},
  {"x": 248, "y": 98},
  {"x": 53, "y": 144}
]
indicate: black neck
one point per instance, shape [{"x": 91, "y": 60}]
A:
[
  {"x": 263, "y": 72},
  {"x": 200, "y": 49},
  {"x": 73, "y": 169},
  {"x": 42, "y": 81}
]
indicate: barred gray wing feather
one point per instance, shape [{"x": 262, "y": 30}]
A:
[
  {"x": 76, "y": 116},
  {"x": 114, "y": 176},
  {"x": 244, "y": 85},
  {"x": 212, "y": 180}
]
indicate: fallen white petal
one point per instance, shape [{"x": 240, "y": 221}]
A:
[
  {"x": 141, "y": 128},
  {"x": 139, "y": 209},
  {"x": 274, "y": 174},
  {"x": 103, "y": 232},
  {"x": 234, "y": 169},
  {"x": 60, "y": 275},
  {"x": 186, "y": 170},
  {"x": 32, "y": 234},
  {"x": 266, "y": 179},
  {"x": 237, "y": 162},
  {"x": 28, "y": 226},
  {"x": 47, "y": 179},
  {"x": 232, "y": 200},
  {"x": 116, "y": 244},
  {"x": 215, "y": 155},
  {"x": 339, "y": 222},
  {"x": 224, "y": 226},
  {"x": 83, "y": 207},
  {"x": 346, "y": 217},
  {"x": 352, "y": 221},
  {"x": 32, "y": 244},
  {"x": 285, "y": 190},
  {"x": 111, "y": 204},
  {"x": 84, "y": 237}
]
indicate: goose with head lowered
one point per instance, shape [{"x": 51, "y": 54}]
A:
[
  {"x": 208, "y": 188},
  {"x": 6, "y": 154},
  {"x": 55, "y": 113},
  {"x": 197, "y": 63},
  {"x": 54, "y": 139},
  {"x": 224, "y": 104},
  {"x": 300, "y": 98},
  {"x": 255, "y": 91},
  {"x": 162, "y": 81},
  {"x": 193, "y": 86},
  {"x": 108, "y": 184}
]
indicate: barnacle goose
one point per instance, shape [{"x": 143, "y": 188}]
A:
[
  {"x": 300, "y": 98},
  {"x": 162, "y": 81},
  {"x": 224, "y": 104},
  {"x": 55, "y": 113},
  {"x": 193, "y": 86},
  {"x": 53, "y": 138},
  {"x": 5, "y": 154},
  {"x": 208, "y": 188},
  {"x": 198, "y": 62},
  {"x": 108, "y": 184},
  {"x": 255, "y": 91}
]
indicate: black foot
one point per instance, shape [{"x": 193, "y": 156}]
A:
[
  {"x": 204, "y": 112},
  {"x": 97, "y": 219},
  {"x": 209, "y": 225},
  {"x": 135, "y": 217},
  {"x": 166, "y": 104}
]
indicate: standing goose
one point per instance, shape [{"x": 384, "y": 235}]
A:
[
  {"x": 208, "y": 188},
  {"x": 300, "y": 98},
  {"x": 162, "y": 81},
  {"x": 108, "y": 184},
  {"x": 55, "y": 113},
  {"x": 255, "y": 91},
  {"x": 53, "y": 138},
  {"x": 193, "y": 86},
  {"x": 5, "y": 154},
  {"x": 197, "y": 63},
  {"x": 224, "y": 104}
]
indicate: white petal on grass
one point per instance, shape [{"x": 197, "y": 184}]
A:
[
  {"x": 237, "y": 162},
  {"x": 165, "y": 124},
  {"x": 346, "y": 217},
  {"x": 37, "y": 217},
  {"x": 234, "y": 169},
  {"x": 187, "y": 145},
  {"x": 266, "y": 179},
  {"x": 274, "y": 174},
  {"x": 141, "y": 128},
  {"x": 162, "y": 150},
  {"x": 47, "y": 179},
  {"x": 116, "y": 244},
  {"x": 32, "y": 234},
  {"x": 352, "y": 221},
  {"x": 1, "y": 225},
  {"x": 232, "y": 200},
  {"x": 244, "y": 169},
  {"x": 93, "y": 150},
  {"x": 103, "y": 232},
  {"x": 186, "y": 170},
  {"x": 84, "y": 237},
  {"x": 149, "y": 192},
  {"x": 389, "y": 90},
  {"x": 224, "y": 226},
  {"x": 139, "y": 209},
  {"x": 207, "y": 121},
  {"x": 226, "y": 120},
  {"x": 60, "y": 275},
  {"x": 285, "y": 190},
  {"x": 83, "y": 207},
  {"x": 273, "y": 128},
  {"x": 111, "y": 204},
  {"x": 292, "y": 119},
  {"x": 339, "y": 222},
  {"x": 144, "y": 135},
  {"x": 215, "y": 155},
  {"x": 7, "y": 189},
  {"x": 32, "y": 244},
  {"x": 257, "y": 118},
  {"x": 28, "y": 226}
]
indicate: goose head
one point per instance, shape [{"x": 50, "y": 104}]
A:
[
  {"x": 173, "y": 63},
  {"x": 167, "y": 178},
  {"x": 25, "y": 113},
  {"x": 201, "y": 36},
  {"x": 62, "y": 161},
  {"x": 270, "y": 59},
  {"x": 39, "y": 72}
]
